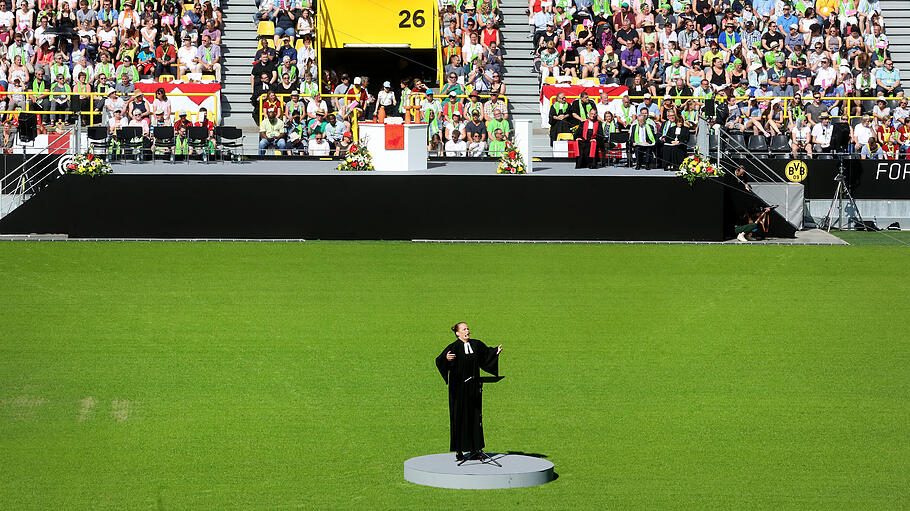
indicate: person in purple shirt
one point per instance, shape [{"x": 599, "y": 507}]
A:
[
  {"x": 208, "y": 58},
  {"x": 630, "y": 62}
]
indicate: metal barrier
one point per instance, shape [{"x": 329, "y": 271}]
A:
[
  {"x": 94, "y": 96},
  {"x": 413, "y": 113},
  {"x": 785, "y": 100},
  {"x": 20, "y": 185}
]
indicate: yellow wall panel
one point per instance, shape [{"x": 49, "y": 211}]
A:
[{"x": 377, "y": 23}]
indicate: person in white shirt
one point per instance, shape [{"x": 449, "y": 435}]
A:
[
  {"x": 821, "y": 134},
  {"x": 385, "y": 99},
  {"x": 477, "y": 148},
  {"x": 472, "y": 50},
  {"x": 453, "y": 127},
  {"x": 185, "y": 56},
  {"x": 603, "y": 105},
  {"x": 900, "y": 113},
  {"x": 862, "y": 133},
  {"x": 318, "y": 146},
  {"x": 456, "y": 146},
  {"x": 316, "y": 104}
]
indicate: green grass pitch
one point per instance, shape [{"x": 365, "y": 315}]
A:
[{"x": 160, "y": 376}]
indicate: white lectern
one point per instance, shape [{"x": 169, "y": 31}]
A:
[{"x": 396, "y": 147}]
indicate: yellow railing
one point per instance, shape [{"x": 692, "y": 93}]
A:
[
  {"x": 413, "y": 113},
  {"x": 283, "y": 98},
  {"x": 95, "y": 96},
  {"x": 846, "y": 114}
]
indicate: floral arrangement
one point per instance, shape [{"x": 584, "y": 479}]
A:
[
  {"x": 358, "y": 158},
  {"x": 695, "y": 167},
  {"x": 88, "y": 165},
  {"x": 511, "y": 162}
]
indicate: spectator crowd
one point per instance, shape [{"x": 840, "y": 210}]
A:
[
  {"x": 466, "y": 116},
  {"x": 759, "y": 68},
  {"x": 102, "y": 47}
]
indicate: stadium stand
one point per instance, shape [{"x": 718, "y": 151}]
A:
[{"x": 752, "y": 67}]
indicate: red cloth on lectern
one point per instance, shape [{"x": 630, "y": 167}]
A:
[{"x": 394, "y": 136}]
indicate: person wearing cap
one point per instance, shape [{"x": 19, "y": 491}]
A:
[
  {"x": 185, "y": 56},
  {"x": 334, "y": 130},
  {"x": 271, "y": 133},
  {"x": 182, "y": 120},
  {"x": 475, "y": 125},
  {"x": 294, "y": 105},
  {"x": 822, "y": 134},
  {"x": 648, "y": 104},
  {"x": 317, "y": 124},
  {"x": 160, "y": 120},
  {"x": 166, "y": 58},
  {"x": 145, "y": 60},
  {"x": 624, "y": 15},
  {"x": 454, "y": 125}
]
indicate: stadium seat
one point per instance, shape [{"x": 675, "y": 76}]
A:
[
  {"x": 780, "y": 145},
  {"x": 550, "y": 80},
  {"x": 758, "y": 145},
  {"x": 564, "y": 136},
  {"x": 299, "y": 44},
  {"x": 265, "y": 28},
  {"x": 98, "y": 140},
  {"x": 209, "y": 77},
  {"x": 166, "y": 78}
]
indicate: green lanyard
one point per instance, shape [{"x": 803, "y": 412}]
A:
[{"x": 560, "y": 108}]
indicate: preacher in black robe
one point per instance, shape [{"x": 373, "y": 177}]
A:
[{"x": 462, "y": 374}]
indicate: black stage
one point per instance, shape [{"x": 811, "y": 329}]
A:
[{"x": 387, "y": 206}]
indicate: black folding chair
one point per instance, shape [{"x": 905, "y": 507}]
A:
[
  {"x": 758, "y": 145},
  {"x": 227, "y": 138},
  {"x": 198, "y": 137},
  {"x": 130, "y": 137},
  {"x": 164, "y": 138},
  {"x": 780, "y": 146},
  {"x": 98, "y": 138}
]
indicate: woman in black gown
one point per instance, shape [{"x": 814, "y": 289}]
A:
[{"x": 460, "y": 364}]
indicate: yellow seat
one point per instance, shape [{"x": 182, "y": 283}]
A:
[
  {"x": 299, "y": 44},
  {"x": 209, "y": 77},
  {"x": 166, "y": 78},
  {"x": 187, "y": 7},
  {"x": 265, "y": 28},
  {"x": 564, "y": 136},
  {"x": 550, "y": 80}
]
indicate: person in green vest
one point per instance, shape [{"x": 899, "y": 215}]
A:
[
  {"x": 60, "y": 102},
  {"x": 644, "y": 137},
  {"x": 498, "y": 123},
  {"x": 39, "y": 102},
  {"x": 497, "y": 143}
]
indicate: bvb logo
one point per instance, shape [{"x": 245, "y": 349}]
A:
[{"x": 796, "y": 171}]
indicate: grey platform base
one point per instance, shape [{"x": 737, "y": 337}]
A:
[{"x": 441, "y": 470}]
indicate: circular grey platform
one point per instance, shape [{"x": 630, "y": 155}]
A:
[{"x": 442, "y": 471}]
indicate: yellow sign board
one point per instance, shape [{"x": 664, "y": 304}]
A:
[
  {"x": 796, "y": 171},
  {"x": 377, "y": 23}
]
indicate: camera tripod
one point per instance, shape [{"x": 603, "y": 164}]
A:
[{"x": 842, "y": 191}]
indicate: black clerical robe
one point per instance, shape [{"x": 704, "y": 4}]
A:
[
  {"x": 463, "y": 377},
  {"x": 589, "y": 140},
  {"x": 673, "y": 154},
  {"x": 558, "y": 126}
]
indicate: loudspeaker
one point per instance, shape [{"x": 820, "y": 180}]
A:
[{"x": 28, "y": 127}]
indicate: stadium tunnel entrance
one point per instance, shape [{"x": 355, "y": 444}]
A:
[{"x": 380, "y": 64}]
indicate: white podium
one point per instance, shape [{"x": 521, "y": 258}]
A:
[{"x": 412, "y": 154}]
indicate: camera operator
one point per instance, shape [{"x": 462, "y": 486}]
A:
[{"x": 754, "y": 219}]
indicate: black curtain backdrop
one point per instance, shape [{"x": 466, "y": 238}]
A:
[{"x": 351, "y": 207}]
